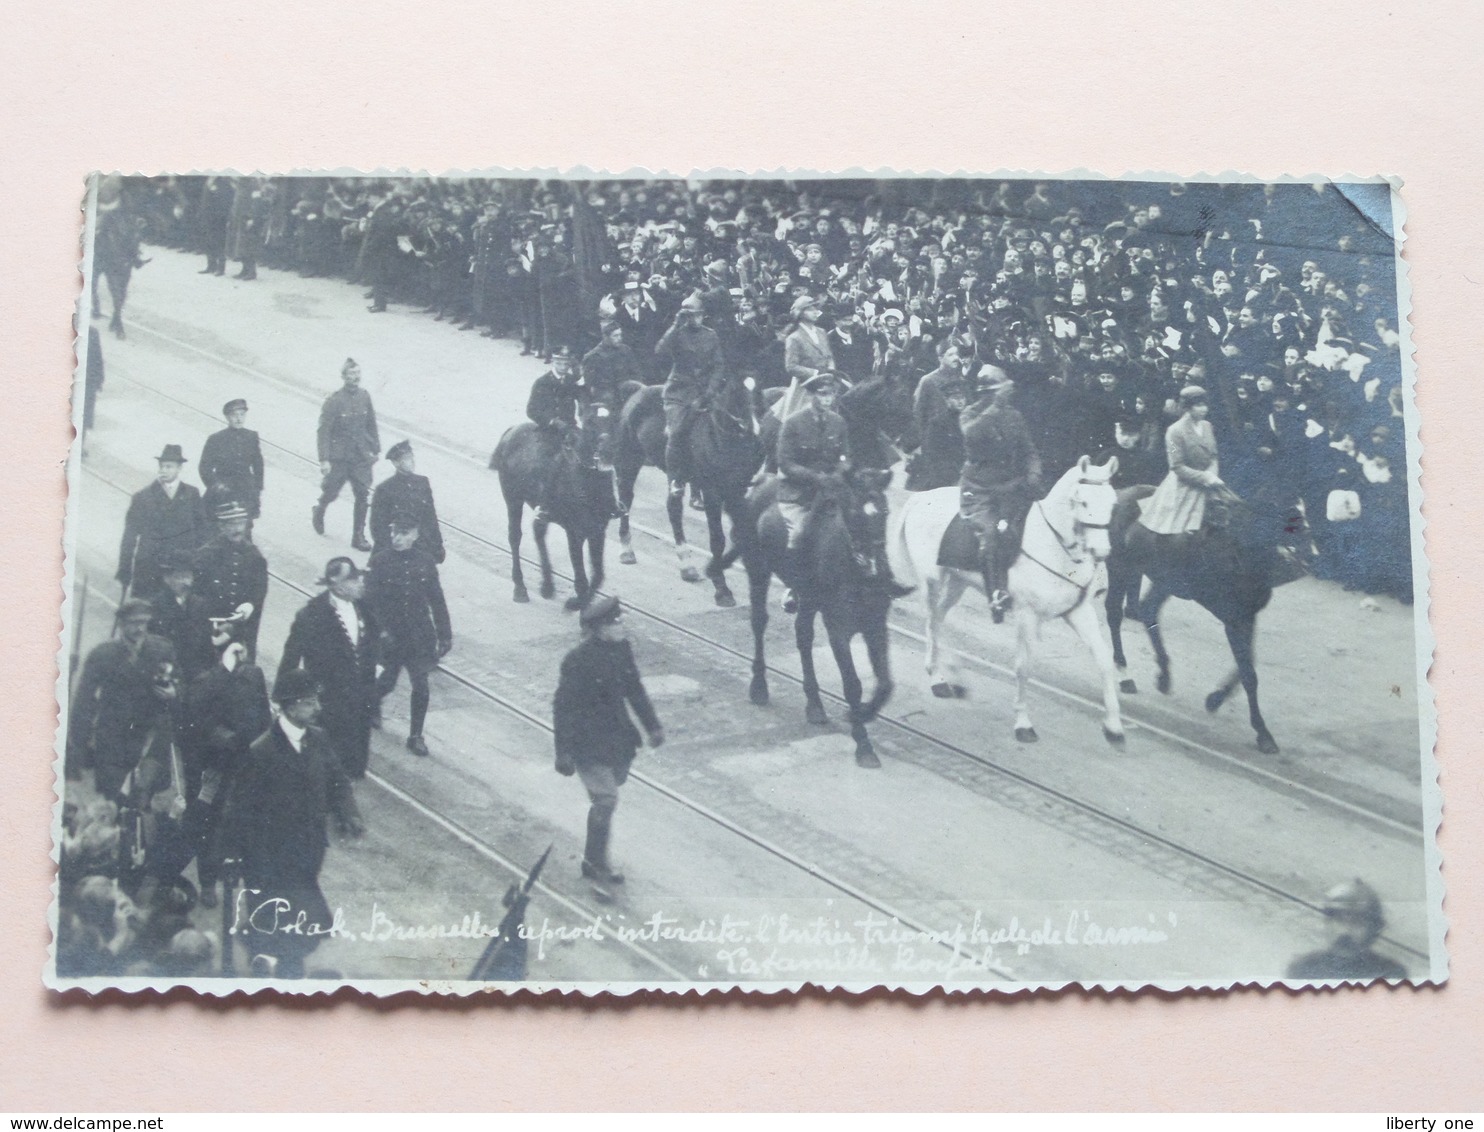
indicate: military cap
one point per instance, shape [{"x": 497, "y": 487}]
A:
[
  {"x": 891, "y": 312},
  {"x": 1355, "y": 900},
  {"x": 294, "y": 684},
  {"x": 135, "y": 607},
  {"x": 801, "y": 304},
  {"x": 350, "y": 364},
  {"x": 230, "y": 510},
  {"x": 403, "y": 521},
  {"x": 171, "y": 454},
  {"x": 602, "y": 611},
  {"x": 822, "y": 380},
  {"x": 562, "y": 352},
  {"x": 399, "y": 449},
  {"x": 339, "y": 569},
  {"x": 237, "y": 403}
]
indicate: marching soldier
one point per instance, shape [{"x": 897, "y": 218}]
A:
[
  {"x": 165, "y": 518},
  {"x": 1001, "y": 478},
  {"x": 408, "y": 494},
  {"x": 232, "y": 462},
  {"x": 408, "y": 600},
  {"x": 348, "y": 447},
  {"x": 595, "y": 738},
  {"x": 232, "y": 574}
]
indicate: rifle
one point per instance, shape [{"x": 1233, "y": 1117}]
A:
[{"x": 504, "y": 958}]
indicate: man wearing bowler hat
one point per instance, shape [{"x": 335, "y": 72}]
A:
[
  {"x": 407, "y": 494},
  {"x": 335, "y": 638},
  {"x": 164, "y": 518},
  {"x": 232, "y": 574},
  {"x": 275, "y": 827},
  {"x": 348, "y": 447},
  {"x": 595, "y": 737},
  {"x": 232, "y": 462}
]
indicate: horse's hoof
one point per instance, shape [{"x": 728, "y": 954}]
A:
[
  {"x": 758, "y": 694},
  {"x": 1267, "y": 744},
  {"x": 1128, "y": 687},
  {"x": 574, "y": 603},
  {"x": 943, "y": 690},
  {"x": 814, "y": 713},
  {"x": 1163, "y": 683},
  {"x": 690, "y": 574},
  {"x": 1115, "y": 738},
  {"x": 521, "y": 595},
  {"x": 628, "y": 558},
  {"x": 548, "y": 590},
  {"x": 958, "y": 691},
  {"x": 1214, "y": 702},
  {"x": 866, "y": 758},
  {"x": 725, "y": 599},
  {"x": 1027, "y": 735}
]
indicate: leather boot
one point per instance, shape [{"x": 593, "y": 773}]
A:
[
  {"x": 358, "y": 523},
  {"x": 317, "y": 517},
  {"x": 595, "y": 866}
]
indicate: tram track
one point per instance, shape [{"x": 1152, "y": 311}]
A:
[{"x": 1139, "y": 840}]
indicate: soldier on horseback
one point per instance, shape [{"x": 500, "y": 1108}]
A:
[
  {"x": 697, "y": 378},
  {"x": 1001, "y": 478},
  {"x": 552, "y": 405}
]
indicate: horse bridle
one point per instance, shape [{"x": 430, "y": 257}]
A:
[{"x": 1082, "y": 587}]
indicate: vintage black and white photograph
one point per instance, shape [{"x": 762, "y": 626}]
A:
[{"x": 605, "y": 583}]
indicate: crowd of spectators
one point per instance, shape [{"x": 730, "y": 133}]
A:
[{"x": 1101, "y": 299}]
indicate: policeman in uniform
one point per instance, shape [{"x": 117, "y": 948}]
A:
[
  {"x": 697, "y": 376},
  {"x": 348, "y": 447},
  {"x": 232, "y": 575},
  {"x": 1353, "y": 917},
  {"x": 232, "y": 462},
  {"x": 595, "y": 738},
  {"x": 408, "y": 494},
  {"x": 1001, "y": 477}
]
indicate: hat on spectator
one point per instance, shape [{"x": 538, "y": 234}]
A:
[
  {"x": 1193, "y": 395},
  {"x": 891, "y": 312},
  {"x": 801, "y": 304},
  {"x": 171, "y": 454},
  {"x": 601, "y": 611},
  {"x": 294, "y": 684},
  {"x": 693, "y": 303},
  {"x": 235, "y": 405}
]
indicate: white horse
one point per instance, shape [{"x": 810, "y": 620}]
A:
[{"x": 1059, "y": 573}]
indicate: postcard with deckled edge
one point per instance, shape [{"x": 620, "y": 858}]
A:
[{"x": 595, "y": 583}]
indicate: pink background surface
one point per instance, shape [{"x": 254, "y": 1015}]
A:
[{"x": 1268, "y": 88}]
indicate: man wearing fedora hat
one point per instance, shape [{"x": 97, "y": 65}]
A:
[
  {"x": 275, "y": 828},
  {"x": 697, "y": 376},
  {"x": 232, "y": 462},
  {"x": 231, "y": 574},
  {"x": 335, "y": 638},
  {"x": 348, "y": 447},
  {"x": 164, "y": 518}
]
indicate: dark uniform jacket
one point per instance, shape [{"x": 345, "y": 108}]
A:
[
  {"x": 113, "y": 708},
  {"x": 184, "y": 624},
  {"x": 227, "y": 574},
  {"x": 318, "y": 643},
  {"x": 697, "y": 368},
  {"x": 224, "y": 713},
  {"x": 347, "y": 427},
  {"x": 408, "y": 600},
  {"x": 232, "y": 467},
  {"x": 811, "y": 444},
  {"x": 275, "y": 825},
  {"x": 1000, "y": 462},
  {"x": 157, "y": 526},
  {"x": 606, "y": 367},
  {"x": 552, "y": 401},
  {"x": 590, "y": 721},
  {"x": 408, "y": 494},
  {"x": 1136, "y": 465}
]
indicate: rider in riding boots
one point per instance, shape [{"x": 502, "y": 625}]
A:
[
  {"x": 812, "y": 457},
  {"x": 553, "y": 406},
  {"x": 697, "y": 378},
  {"x": 1001, "y": 477}
]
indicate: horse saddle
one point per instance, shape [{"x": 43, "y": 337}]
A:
[{"x": 959, "y": 549}]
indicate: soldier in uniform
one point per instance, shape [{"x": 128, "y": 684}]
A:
[
  {"x": 606, "y": 367},
  {"x": 553, "y": 406},
  {"x": 232, "y": 575},
  {"x": 595, "y": 738},
  {"x": 811, "y": 458},
  {"x": 1001, "y": 477},
  {"x": 335, "y": 637},
  {"x": 115, "y": 705},
  {"x": 232, "y": 462},
  {"x": 940, "y": 397},
  {"x": 407, "y": 597},
  {"x": 697, "y": 374},
  {"x": 348, "y": 447},
  {"x": 1353, "y": 919},
  {"x": 405, "y": 493},
  {"x": 165, "y": 518}
]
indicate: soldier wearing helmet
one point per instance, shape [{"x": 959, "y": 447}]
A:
[
  {"x": 697, "y": 377},
  {"x": 1353, "y": 919}
]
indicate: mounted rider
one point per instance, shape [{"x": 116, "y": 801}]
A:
[
  {"x": 1001, "y": 478},
  {"x": 697, "y": 380},
  {"x": 553, "y": 407}
]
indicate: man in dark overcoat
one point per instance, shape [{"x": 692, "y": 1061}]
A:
[
  {"x": 231, "y": 574},
  {"x": 335, "y": 638},
  {"x": 606, "y": 367},
  {"x": 216, "y": 216},
  {"x": 275, "y": 828},
  {"x": 409, "y": 494},
  {"x": 404, "y": 590},
  {"x": 165, "y": 518},
  {"x": 697, "y": 376},
  {"x": 180, "y": 617},
  {"x": 595, "y": 738},
  {"x": 232, "y": 462},
  {"x": 348, "y": 446}
]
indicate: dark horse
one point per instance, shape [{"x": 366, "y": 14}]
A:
[
  {"x": 580, "y": 500},
  {"x": 1230, "y": 568},
  {"x": 115, "y": 256},
  {"x": 840, "y": 580},
  {"x": 724, "y": 455},
  {"x": 878, "y": 421}
]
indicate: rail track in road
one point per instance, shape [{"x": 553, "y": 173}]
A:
[{"x": 1006, "y": 785}]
